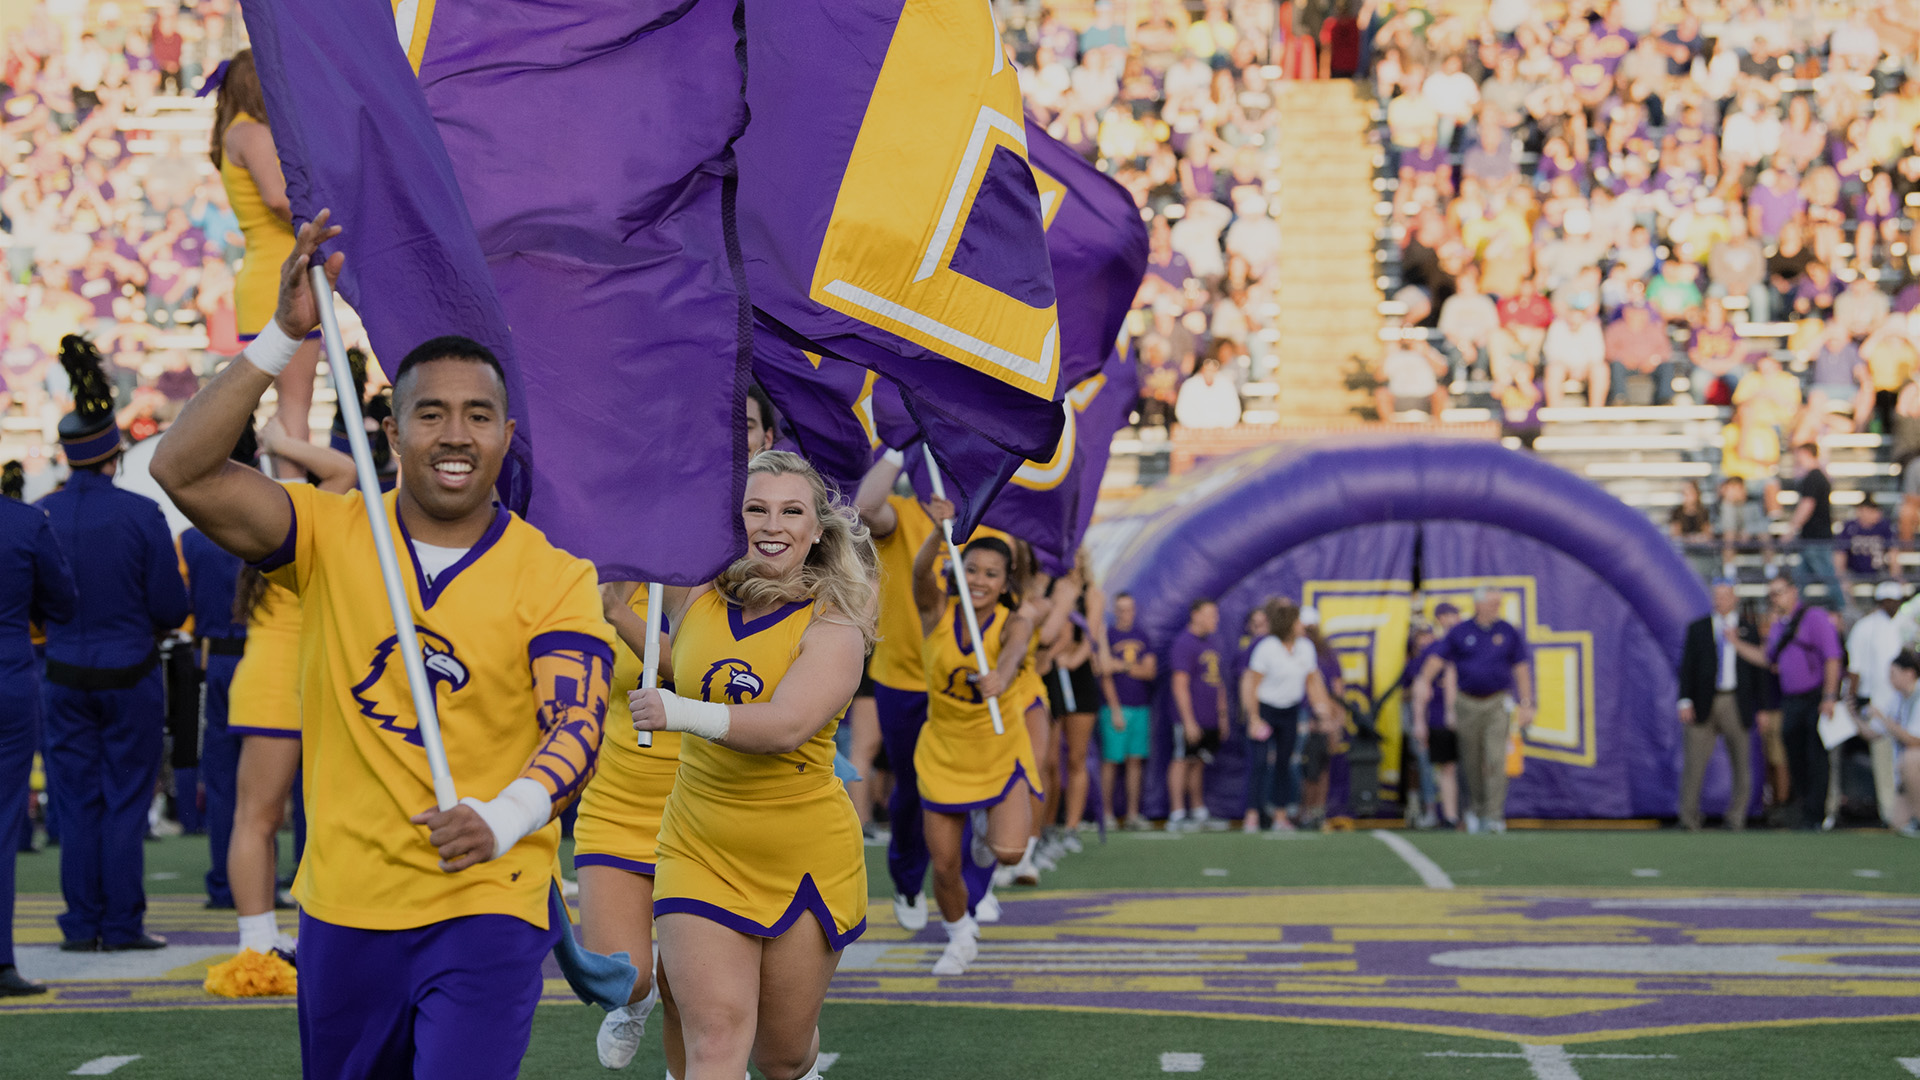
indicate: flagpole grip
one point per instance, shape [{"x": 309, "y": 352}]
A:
[
  {"x": 650, "y": 659},
  {"x": 966, "y": 598},
  {"x": 397, "y": 603}
]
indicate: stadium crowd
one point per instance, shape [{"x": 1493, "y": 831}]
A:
[{"x": 112, "y": 219}]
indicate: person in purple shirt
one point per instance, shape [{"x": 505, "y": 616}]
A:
[
  {"x": 1803, "y": 649},
  {"x": 1126, "y": 721},
  {"x": 1867, "y": 548},
  {"x": 1199, "y": 688},
  {"x": 1774, "y": 204},
  {"x": 1491, "y": 660},
  {"x": 1433, "y": 728}
]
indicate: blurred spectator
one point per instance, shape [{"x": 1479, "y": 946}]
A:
[
  {"x": 1638, "y": 345},
  {"x": 1208, "y": 398},
  {"x": 1812, "y": 522},
  {"x": 1576, "y": 348},
  {"x": 1714, "y": 350},
  {"x": 1866, "y": 548},
  {"x": 1690, "y": 521},
  {"x": 1410, "y": 379}
]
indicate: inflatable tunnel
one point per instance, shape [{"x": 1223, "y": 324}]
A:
[{"x": 1367, "y": 530}]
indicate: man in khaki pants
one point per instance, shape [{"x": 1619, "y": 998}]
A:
[
  {"x": 1491, "y": 658},
  {"x": 1712, "y": 678}
]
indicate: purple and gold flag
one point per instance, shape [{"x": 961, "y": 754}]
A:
[
  {"x": 890, "y": 218},
  {"x": 1097, "y": 244},
  {"x": 565, "y": 170}
]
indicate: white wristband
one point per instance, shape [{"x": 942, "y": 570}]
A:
[
  {"x": 894, "y": 458},
  {"x": 708, "y": 719},
  {"x": 521, "y": 807},
  {"x": 271, "y": 350}
]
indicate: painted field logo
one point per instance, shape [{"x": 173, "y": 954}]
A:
[{"x": 1548, "y": 966}]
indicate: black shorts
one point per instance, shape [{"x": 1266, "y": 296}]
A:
[
  {"x": 1208, "y": 745},
  {"x": 1313, "y": 756},
  {"x": 1086, "y": 691},
  {"x": 1443, "y": 746}
]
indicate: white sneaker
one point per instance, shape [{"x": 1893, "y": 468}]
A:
[
  {"x": 1111, "y": 823},
  {"x": 1198, "y": 818},
  {"x": 988, "y": 909},
  {"x": 569, "y": 888},
  {"x": 622, "y": 1030},
  {"x": 1473, "y": 822},
  {"x": 910, "y": 914},
  {"x": 1497, "y": 826},
  {"x": 1026, "y": 873},
  {"x": 1177, "y": 821},
  {"x": 960, "y": 952},
  {"x": 1045, "y": 861},
  {"x": 1003, "y": 876},
  {"x": 1070, "y": 842}
]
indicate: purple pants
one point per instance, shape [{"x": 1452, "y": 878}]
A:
[
  {"x": 902, "y": 715},
  {"x": 450, "y": 999}
]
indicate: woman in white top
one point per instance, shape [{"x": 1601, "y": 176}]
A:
[{"x": 1282, "y": 675}]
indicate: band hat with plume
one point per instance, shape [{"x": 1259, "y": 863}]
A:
[{"x": 88, "y": 434}]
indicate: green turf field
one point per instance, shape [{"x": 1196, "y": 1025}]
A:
[{"x": 1557, "y": 955}]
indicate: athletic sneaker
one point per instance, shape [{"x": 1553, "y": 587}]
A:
[
  {"x": 876, "y": 835},
  {"x": 1044, "y": 861},
  {"x": 1282, "y": 824},
  {"x": 1139, "y": 823},
  {"x": 1070, "y": 842},
  {"x": 1027, "y": 872},
  {"x": 988, "y": 909},
  {"x": 1111, "y": 823},
  {"x": 961, "y": 951},
  {"x": 1498, "y": 827},
  {"x": 1003, "y": 876},
  {"x": 622, "y": 1030},
  {"x": 910, "y": 914},
  {"x": 1177, "y": 821},
  {"x": 1473, "y": 822},
  {"x": 1911, "y": 830},
  {"x": 1198, "y": 818}
]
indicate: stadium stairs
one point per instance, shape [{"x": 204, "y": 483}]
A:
[{"x": 1329, "y": 299}]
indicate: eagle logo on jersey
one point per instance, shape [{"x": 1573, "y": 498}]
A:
[
  {"x": 960, "y": 686},
  {"x": 733, "y": 678},
  {"x": 443, "y": 669}
]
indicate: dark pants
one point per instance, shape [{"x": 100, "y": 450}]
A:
[
  {"x": 453, "y": 998},
  {"x": 19, "y": 738},
  {"x": 1662, "y": 382},
  {"x": 104, "y": 758},
  {"x": 902, "y": 714},
  {"x": 1270, "y": 779},
  {"x": 219, "y": 772},
  {"x": 1806, "y": 756}
]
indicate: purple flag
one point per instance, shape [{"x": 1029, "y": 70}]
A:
[
  {"x": 1050, "y": 505},
  {"x": 582, "y": 149},
  {"x": 890, "y": 218},
  {"x": 1097, "y": 244}
]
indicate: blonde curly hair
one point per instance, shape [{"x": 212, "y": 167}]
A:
[{"x": 840, "y": 572}]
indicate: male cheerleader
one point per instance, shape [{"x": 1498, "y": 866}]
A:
[{"x": 422, "y": 932}]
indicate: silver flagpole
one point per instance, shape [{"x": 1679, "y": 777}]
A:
[
  {"x": 397, "y": 603},
  {"x": 966, "y": 598}
]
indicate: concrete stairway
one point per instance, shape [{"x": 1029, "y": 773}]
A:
[{"x": 1329, "y": 303}]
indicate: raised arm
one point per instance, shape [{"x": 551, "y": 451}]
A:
[
  {"x": 238, "y": 507},
  {"x": 929, "y": 592},
  {"x": 332, "y": 470},
  {"x": 870, "y": 498},
  {"x": 821, "y": 682}
]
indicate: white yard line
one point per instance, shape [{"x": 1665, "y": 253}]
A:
[
  {"x": 1554, "y": 1063},
  {"x": 101, "y": 1066},
  {"x": 825, "y": 1061},
  {"x": 1174, "y": 1062},
  {"x": 1430, "y": 873},
  {"x": 1912, "y": 1064}
]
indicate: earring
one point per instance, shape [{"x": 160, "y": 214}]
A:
[{"x": 816, "y": 540}]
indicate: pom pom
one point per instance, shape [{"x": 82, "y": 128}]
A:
[{"x": 252, "y": 974}]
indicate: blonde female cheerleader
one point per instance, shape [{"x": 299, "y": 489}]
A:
[
  {"x": 964, "y": 768},
  {"x": 616, "y": 834},
  {"x": 760, "y": 874},
  {"x": 263, "y": 711},
  {"x": 242, "y": 149}
]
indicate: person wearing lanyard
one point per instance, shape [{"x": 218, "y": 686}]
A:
[
  {"x": 1803, "y": 648},
  {"x": 1711, "y": 674},
  {"x": 1491, "y": 659}
]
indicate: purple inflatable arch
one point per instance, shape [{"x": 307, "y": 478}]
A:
[{"x": 1226, "y": 520}]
